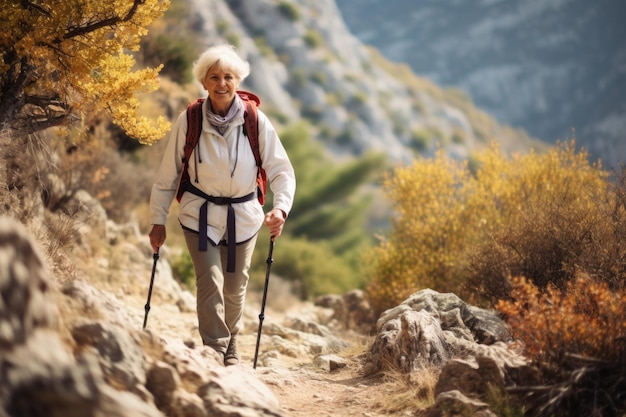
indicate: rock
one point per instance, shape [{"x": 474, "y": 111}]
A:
[
  {"x": 235, "y": 392},
  {"x": 472, "y": 347},
  {"x": 330, "y": 362},
  {"x": 454, "y": 403},
  {"x": 412, "y": 341},
  {"x": 470, "y": 377},
  {"x": 39, "y": 373},
  {"x": 25, "y": 296},
  {"x": 429, "y": 328},
  {"x": 456, "y": 316},
  {"x": 163, "y": 382},
  {"x": 351, "y": 310},
  {"x": 89, "y": 359},
  {"x": 120, "y": 355}
]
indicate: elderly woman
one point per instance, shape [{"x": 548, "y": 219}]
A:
[{"x": 222, "y": 165}]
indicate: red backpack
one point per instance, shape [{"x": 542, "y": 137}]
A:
[{"x": 250, "y": 129}]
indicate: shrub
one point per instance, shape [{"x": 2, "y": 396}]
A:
[
  {"x": 171, "y": 41},
  {"x": 542, "y": 216},
  {"x": 27, "y": 181},
  {"x": 577, "y": 335},
  {"x": 313, "y": 39},
  {"x": 183, "y": 271},
  {"x": 289, "y": 10},
  {"x": 437, "y": 216},
  {"x": 585, "y": 318},
  {"x": 97, "y": 168},
  {"x": 420, "y": 139},
  {"x": 556, "y": 216},
  {"x": 313, "y": 267}
]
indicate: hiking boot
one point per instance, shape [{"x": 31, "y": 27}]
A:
[{"x": 231, "y": 357}]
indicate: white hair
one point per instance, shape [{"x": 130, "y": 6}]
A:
[{"x": 227, "y": 58}]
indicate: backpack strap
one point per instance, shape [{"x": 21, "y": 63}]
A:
[
  {"x": 251, "y": 130},
  {"x": 194, "y": 128}
]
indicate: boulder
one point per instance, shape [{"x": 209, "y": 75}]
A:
[
  {"x": 471, "y": 348},
  {"x": 429, "y": 328}
]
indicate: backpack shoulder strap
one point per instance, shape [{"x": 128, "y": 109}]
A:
[
  {"x": 251, "y": 125},
  {"x": 251, "y": 130},
  {"x": 194, "y": 126}
]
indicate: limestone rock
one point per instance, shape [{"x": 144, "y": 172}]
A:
[
  {"x": 89, "y": 359},
  {"x": 330, "y": 362},
  {"x": 24, "y": 292},
  {"x": 454, "y": 403},
  {"x": 429, "y": 328},
  {"x": 351, "y": 310}
]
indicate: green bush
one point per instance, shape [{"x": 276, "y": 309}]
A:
[
  {"x": 183, "y": 271},
  {"x": 289, "y": 10},
  {"x": 313, "y": 39},
  {"x": 312, "y": 266},
  {"x": 171, "y": 44},
  {"x": 420, "y": 139}
]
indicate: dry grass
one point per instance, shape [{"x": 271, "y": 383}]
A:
[{"x": 401, "y": 393}]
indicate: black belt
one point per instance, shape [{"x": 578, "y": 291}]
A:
[{"x": 203, "y": 240}]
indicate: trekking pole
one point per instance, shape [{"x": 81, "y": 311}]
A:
[
  {"x": 262, "y": 315},
  {"x": 147, "y": 307}
]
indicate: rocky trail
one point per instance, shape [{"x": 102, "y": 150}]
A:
[
  {"x": 75, "y": 346},
  {"x": 302, "y": 387}
]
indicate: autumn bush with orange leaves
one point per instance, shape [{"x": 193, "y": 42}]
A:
[{"x": 585, "y": 318}]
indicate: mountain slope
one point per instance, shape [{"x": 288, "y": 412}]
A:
[
  {"x": 547, "y": 66},
  {"x": 305, "y": 63}
]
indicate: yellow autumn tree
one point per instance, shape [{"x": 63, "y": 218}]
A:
[{"x": 64, "y": 58}]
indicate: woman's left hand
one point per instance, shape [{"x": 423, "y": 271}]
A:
[{"x": 274, "y": 220}]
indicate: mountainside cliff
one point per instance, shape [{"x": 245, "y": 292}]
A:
[
  {"x": 547, "y": 66},
  {"x": 305, "y": 63}
]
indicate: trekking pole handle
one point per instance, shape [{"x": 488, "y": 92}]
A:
[{"x": 269, "y": 256}]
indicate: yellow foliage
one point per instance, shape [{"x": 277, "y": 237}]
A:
[
  {"x": 63, "y": 56},
  {"x": 456, "y": 230}
]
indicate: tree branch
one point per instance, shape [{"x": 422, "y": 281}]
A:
[
  {"x": 82, "y": 30},
  {"x": 28, "y": 5}
]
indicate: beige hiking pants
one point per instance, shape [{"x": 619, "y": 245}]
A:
[{"x": 220, "y": 295}]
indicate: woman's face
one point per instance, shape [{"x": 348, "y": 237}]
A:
[{"x": 221, "y": 84}]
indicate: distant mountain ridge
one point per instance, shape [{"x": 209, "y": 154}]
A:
[{"x": 547, "y": 66}]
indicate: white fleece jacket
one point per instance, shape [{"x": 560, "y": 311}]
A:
[{"x": 225, "y": 167}]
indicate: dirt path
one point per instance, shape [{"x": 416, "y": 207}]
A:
[
  {"x": 301, "y": 388},
  {"x": 306, "y": 390}
]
